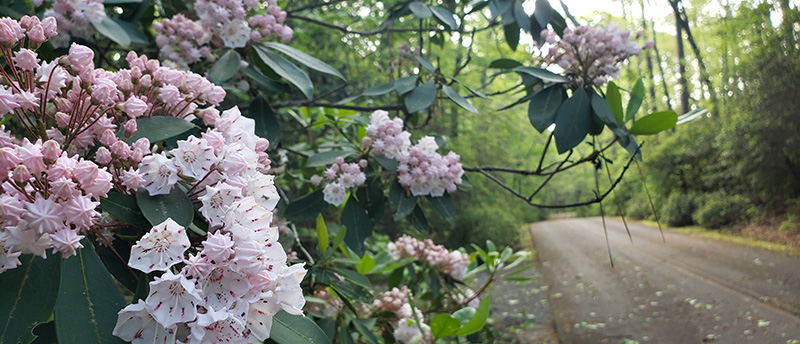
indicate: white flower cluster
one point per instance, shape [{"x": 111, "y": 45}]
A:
[
  {"x": 230, "y": 289},
  {"x": 340, "y": 177},
  {"x": 452, "y": 263},
  {"x": 75, "y": 18},
  {"x": 421, "y": 169},
  {"x": 408, "y": 331}
]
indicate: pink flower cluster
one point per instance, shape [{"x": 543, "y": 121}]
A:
[
  {"x": 47, "y": 198},
  {"x": 589, "y": 56},
  {"x": 340, "y": 177},
  {"x": 407, "y": 331},
  {"x": 75, "y": 19},
  {"x": 326, "y": 304},
  {"x": 421, "y": 169},
  {"x": 392, "y": 300},
  {"x": 228, "y": 23},
  {"x": 453, "y": 264}
]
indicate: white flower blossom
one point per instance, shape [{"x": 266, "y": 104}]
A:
[{"x": 162, "y": 247}]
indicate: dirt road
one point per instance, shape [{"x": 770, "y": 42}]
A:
[{"x": 687, "y": 290}]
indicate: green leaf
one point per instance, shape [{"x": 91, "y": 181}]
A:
[
  {"x": 464, "y": 315},
  {"x": 476, "y": 93},
  {"x": 543, "y": 108},
  {"x": 322, "y": 234},
  {"x": 359, "y": 228},
  {"x": 419, "y": 221},
  {"x": 512, "y": 35},
  {"x": 296, "y": 329},
  {"x": 340, "y": 235},
  {"x": 387, "y": 163},
  {"x": 175, "y": 205},
  {"x": 113, "y": 31},
  {"x": 477, "y": 322},
  {"x": 543, "y": 12},
  {"x": 420, "y": 10},
  {"x": 614, "y": 100},
  {"x": 505, "y": 64},
  {"x": 403, "y": 205},
  {"x": 124, "y": 208},
  {"x": 445, "y": 206},
  {"x": 405, "y": 84},
  {"x": 296, "y": 76},
  {"x": 366, "y": 265},
  {"x": 118, "y": 267},
  {"x": 28, "y": 297},
  {"x": 425, "y": 63},
  {"x": 444, "y": 16},
  {"x": 602, "y": 109},
  {"x": 88, "y": 300},
  {"x": 304, "y": 58},
  {"x": 354, "y": 277},
  {"x": 364, "y": 326},
  {"x": 379, "y": 90},
  {"x": 541, "y": 74},
  {"x": 134, "y": 33},
  {"x": 444, "y": 325},
  {"x": 458, "y": 99},
  {"x": 395, "y": 277},
  {"x": 160, "y": 128},
  {"x": 573, "y": 121},
  {"x": 306, "y": 208},
  {"x": 327, "y": 158},
  {"x": 421, "y": 98},
  {"x": 654, "y": 123},
  {"x": 637, "y": 96},
  {"x": 267, "y": 125},
  {"x": 225, "y": 68},
  {"x": 270, "y": 85},
  {"x": 632, "y": 147}
]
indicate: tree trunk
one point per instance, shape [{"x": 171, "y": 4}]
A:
[
  {"x": 649, "y": 60},
  {"x": 681, "y": 58}
]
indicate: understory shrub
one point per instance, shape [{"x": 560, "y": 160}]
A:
[
  {"x": 719, "y": 210},
  {"x": 679, "y": 209}
]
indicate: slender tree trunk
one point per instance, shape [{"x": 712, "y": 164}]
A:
[
  {"x": 681, "y": 57},
  {"x": 705, "y": 77},
  {"x": 649, "y": 60},
  {"x": 658, "y": 62}
]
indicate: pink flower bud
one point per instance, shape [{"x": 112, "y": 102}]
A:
[
  {"x": 108, "y": 138},
  {"x": 339, "y": 160},
  {"x": 362, "y": 163},
  {"x": 262, "y": 144},
  {"x": 21, "y": 174},
  {"x": 51, "y": 150},
  {"x": 80, "y": 57},
  {"x": 134, "y": 107},
  {"x": 50, "y": 27},
  {"x": 130, "y": 127},
  {"x": 102, "y": 156},
  {"x": 10, "y": 32}
]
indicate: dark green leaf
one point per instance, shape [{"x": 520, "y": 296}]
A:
[
  {"x": 512, "y": 35},
  {"x": 614, "y": 100},
  {"x": 444, "y": 325},
  {"x": 45, "y": 333},
  {"x": 175, "y": 205},
  {"x": 113, "y": 31},
  {"x": 118, "y": 267},
  {"x": 134, "y": 33},
  {"x": 225, "y": 68},
  {"x": 419, "y": 221},
  {"x": 305, "y": 208},
  {"x": 543, "y": 108},
  {"x": 444, "y": 16},
  {"x": 631, "y": 146},
  {"x": 458, "y": 99},
  {"x": 364, "y": 326},
  {"x": 354, "y": 277},
  {"x": 420, "y": 10},
  {"x": 379, "y": 90},
  {"x": 387, "y": 163},
  {"x": 474, "y": 92},
  {"x": 558, "y": 23},
  {"x": 304, "y": 58},
  {"x": 543, "y": 12},
  {"x": 160, "y": 128},
  {"x": 359, "y": 228},
  {"x": 425, "y": 63},
  {"x": 445, "y": 206},
  {"x": 504, "y": 64},
  {"x": 477, "y": 322},
  {"x": 88, "y": 300},
  {"x": 403, "y": 205},
  {"x": 267, "y": 125},
  {"x": 296, "y": 329},
  {"x": 573, "y": 122},
  {"x": 654, "y": 123},
  {"x": 296, "y": 76},
  {"x": 405, "y": 84},
  {"x": 541, "y": 74},
  {"x": 421, "y": 98},
  {"x": 637, "y": 97},
  {"x": 28, "y": 297},
  {"x": 602, "y": 110},
  {"x": 395, "y": 277},
  {"x": 124, "y": 208},
  {"x": 327, "y": 158},
  {"x": 270, "y": 85}
]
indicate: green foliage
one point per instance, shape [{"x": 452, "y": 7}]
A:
[
  {"x": 679, "y": 208},
  {"x": 28, "y": 297},
  {"x": 718, "y": 210}
]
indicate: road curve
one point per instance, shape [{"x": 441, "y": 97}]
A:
[{"x": 688, "y": 289}]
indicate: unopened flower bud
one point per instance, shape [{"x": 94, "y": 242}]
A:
[
  {"x": 51, "y": 150},
  {"x": 21, "y": 174}
]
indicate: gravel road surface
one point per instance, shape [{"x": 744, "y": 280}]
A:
[{"x": 688, "y": 289}]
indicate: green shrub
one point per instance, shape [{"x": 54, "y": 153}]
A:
[
  {"x": 719, "y": 209},
  {"x": 639, "y": 207},
  {"x": 679, "y": 209},
  {"x": 792, "y": 222}
]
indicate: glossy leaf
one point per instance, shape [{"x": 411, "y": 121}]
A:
[
  {"x": 379, "y": 90},
  {"x": 175, "y": 205},
  {"x": 322, "y": 234},
  {"x": 573, "y": 122},
  {"x": 419, "y": 221},
  {"x": 305, "y": 59},
  {"x": 543, "y": 107},
  {"x": 445, "y": 206},
  {"x": 113, "y": 31},
  {"x": 405, "y": 84},
  {"x": 543, "y": 12},
  {"x": 402, "y": 204},
  {"x": 305, "y": 208},
  {"x": 602, "y": 109},
  {"x": 88, "y": 300},
  {"x": 225, "y": 68},
  {"x": 614, "y": 100},
  {"x": 387, "y": 163},
  {"x": 444, "y": 16},
  {"x": 425, "y": 63},
  {"x": 444, "y": 325},
  {"x": 505, "y": 64},
  {"x": 464, "y": 315},
  {"x": 327, "y": 158},
  {"x": 160, "y": 128},
  {"x": 654, "y": 123},
  {"x": 479, "y": 320},
  {"x": 124, "y": 208},
  {"x": 28, "y": 297},
  {"x": 420, "y": 10},
  {"x": 637, "y": 97},
  {"x": 458, "y": 99},
  {"x": 296, "y": 76},
  {"x": 421, "y": 98},
  {"x": 512, "y": 35},
  {"x": 474, "y": 92},
  {"x": 359, "y": 227},
  {"x": 267, "y": 125},
  {"x": 296, "y": 329},
  {"x": 270, "y": 85},
  {"x": 541, "y": 74}
]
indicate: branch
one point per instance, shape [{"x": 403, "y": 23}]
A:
[
  {"x": 311, "y": 103},
  {"x": 344, "y": 29}
]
